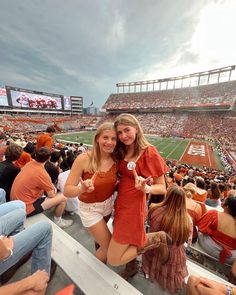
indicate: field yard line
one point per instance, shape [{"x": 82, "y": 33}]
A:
[
  {"x": 209, "y": 158},
  {"x": 185, "y": 150},
  {"x": 174, "y": 149},
  {"x": 165, "y": 147},
  {"x": 163, "y": 142}
]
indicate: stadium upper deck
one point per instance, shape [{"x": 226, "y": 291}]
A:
[
  {"x": 175, "y": 110},
  {"x": 215, "y": 96}
]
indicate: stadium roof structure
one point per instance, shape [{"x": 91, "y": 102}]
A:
[{"x": 196, "y": 76}]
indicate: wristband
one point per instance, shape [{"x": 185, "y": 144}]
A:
[
  {"x": 147, "y": 189},
  {"x": 229, "y": 290}
]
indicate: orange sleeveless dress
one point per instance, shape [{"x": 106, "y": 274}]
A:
[{"x": 104, "y": 184}]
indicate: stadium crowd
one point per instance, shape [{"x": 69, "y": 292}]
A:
[
  {"x": 33, "y": 173},
  {"x": 202, "y": 125},
  {"x": 208, "y": 95},
  {"x": 34, "y": 124}
]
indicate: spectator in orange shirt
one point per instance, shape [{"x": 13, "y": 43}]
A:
[
  {"x": 46, "y": 140},
  {"x": 201, "y": 193},
  {"x": 26, "y": 157},
  {"x": 30, "y": 185}
]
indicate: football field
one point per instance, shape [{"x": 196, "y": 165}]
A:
[{"x": 198, "y": 153}]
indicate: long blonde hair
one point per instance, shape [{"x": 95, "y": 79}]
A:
[
  {"x": 140, "y": 142},
  {"x": 175, "y": 221},
  {"x": 95, "y": 155}
]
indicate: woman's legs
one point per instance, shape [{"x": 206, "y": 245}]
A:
[
  {"x": 38, "y": 238},
  {"x": 102, "y": 236},
  {"x": 119, "y": 254},
  {"x": 106, "y": 219},
  {"x": 12, "y": 217}
]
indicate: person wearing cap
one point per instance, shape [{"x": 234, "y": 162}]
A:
[{"x": 46, "y": 139}]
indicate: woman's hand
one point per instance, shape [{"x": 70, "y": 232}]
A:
[
  {"x": 87, "y": 186},
  {"x": 140, "y": 182},
  {"x": 204, "y": 286},
  {"x": 39, "y": 280}
]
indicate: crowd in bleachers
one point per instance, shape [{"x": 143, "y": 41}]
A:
[
  {"x": 35, "y": 124},
  {"x": 59, "y": 161},
  {"x": 220, "y": 126},
  {"x": 208, "y": 95}
]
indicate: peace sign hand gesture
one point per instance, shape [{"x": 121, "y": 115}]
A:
[
  {"x": 88, "y": 185},
  {"x": 140, "y": 182}
]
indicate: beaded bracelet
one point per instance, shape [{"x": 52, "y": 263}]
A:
[
  {"x": 229, "y": 290},
  {"x": 147, "y": 189}
]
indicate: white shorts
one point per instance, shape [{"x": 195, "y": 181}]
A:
[{"x": 92, "y": 213}]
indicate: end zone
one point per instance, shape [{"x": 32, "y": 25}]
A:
[{"x": 200, "y": 154}]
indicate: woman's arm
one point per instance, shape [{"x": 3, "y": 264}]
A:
[
  {"x": 159, "y": 186},
  {"x": 71, "y": 188}
]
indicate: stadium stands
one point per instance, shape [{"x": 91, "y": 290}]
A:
[{"x": 208, "y": 96}]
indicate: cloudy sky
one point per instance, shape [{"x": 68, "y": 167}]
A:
[{"x": 75, "y": 47}]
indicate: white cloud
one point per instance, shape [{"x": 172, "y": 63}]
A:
[
  {"x": 213, "y": 44},
  {"x": 214, "y": 38}
]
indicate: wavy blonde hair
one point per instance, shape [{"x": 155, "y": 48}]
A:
[
  {"x": 95, "y": 154},
  {"x": 175, "y": 221},
  {"x": 140, "y": 142}
]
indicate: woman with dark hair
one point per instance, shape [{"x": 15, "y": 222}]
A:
[
  {"x": 172, "y": 217},
  {"x": 218, "y": 232},
  {"x": 213, "y": 195}
]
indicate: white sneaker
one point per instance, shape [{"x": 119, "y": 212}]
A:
[{"x": 63, "y": 223}]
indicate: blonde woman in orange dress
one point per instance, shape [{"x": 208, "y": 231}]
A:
[{"x": 93, "y": 178}]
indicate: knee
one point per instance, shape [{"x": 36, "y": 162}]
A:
[
  {"x": 18, "y": 205},
  {"x": 113, "y": 260},
  {"x": 2, "y": 196},
  {"x": 233, "y": 270},
  {"x": 45, "y": 227},
  {"x": 191, "y": 281},
  {"x": 20, "y": 214}
]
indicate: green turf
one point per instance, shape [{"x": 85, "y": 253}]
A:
[{"x": 171, "y": 148}]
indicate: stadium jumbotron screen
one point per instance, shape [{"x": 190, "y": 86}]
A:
[
  {"x": 24, "y": 99},
  {"x": 3, "y": 97},
  {"x": 67, "y": 103}
]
